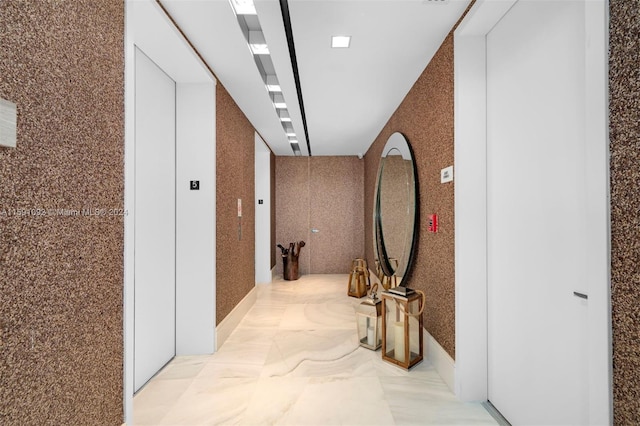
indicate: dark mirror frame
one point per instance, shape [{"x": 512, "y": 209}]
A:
[{"x": 380, "y": 250}]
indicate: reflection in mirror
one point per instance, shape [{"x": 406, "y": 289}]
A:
[{"x": 395, "y": 209}]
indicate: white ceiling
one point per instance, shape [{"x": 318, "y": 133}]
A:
[{"x": 348, "y": 94}]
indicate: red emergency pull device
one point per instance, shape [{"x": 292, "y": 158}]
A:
[{"x": 433, "y": 223}]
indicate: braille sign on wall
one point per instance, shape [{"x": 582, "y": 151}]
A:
[
  {"x": 446, "y": 175},
  {"x": 195, "y": 185}
]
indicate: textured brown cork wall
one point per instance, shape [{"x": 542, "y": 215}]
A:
[
  {"x": 624, "y": 115},
  {"x": 337, "y": 201},
  {"x": 235, "y": 179},
  {"x": 292, "y": 207},
  {"x": 61, "y": 271},
  {"x": 425, "y": 118},
  {"x": 325, "y": 193}
]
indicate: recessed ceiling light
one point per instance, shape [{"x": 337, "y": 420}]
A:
[
  {"x": 285, "y": 119},
  {"x": 293, "y": 140},
  {"x": 244, "y": 7},
  {"x": 291, "y": 134},
  {"x": 274, "y": 88},
  {"x": 340, "y": 41}
]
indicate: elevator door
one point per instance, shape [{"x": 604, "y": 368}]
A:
[
  {"x": 536, "y": 201},
  {"x": 155, "y": 220}
]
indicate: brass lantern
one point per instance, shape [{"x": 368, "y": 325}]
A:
[
  {"x": 358, "y": 278},
  {"x": 402, "y": 328},
  {"x": 369, "y": 319}
]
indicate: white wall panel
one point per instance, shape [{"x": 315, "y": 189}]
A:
[
  {"x": 263, "y": 212},
  {"x": 196, "y": 228}
]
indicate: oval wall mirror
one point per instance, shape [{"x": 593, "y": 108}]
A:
[{"x": 395, "y": 209}]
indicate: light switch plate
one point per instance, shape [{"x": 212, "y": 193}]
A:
[
  {"x": 446, "y": 175},
  {"x": 8, "y": 123}
]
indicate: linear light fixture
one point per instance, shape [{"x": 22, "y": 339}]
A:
[
  {"x": 340, "y": 41},
  {"x": 296, "y": 149},
  {"x": 272, "y": 84},
  {"x": 278, "y": 101},
  {"x": 283, "y": 114},
  {"x": 257, "y": 43},
  {"x": 244, "y": 7}
]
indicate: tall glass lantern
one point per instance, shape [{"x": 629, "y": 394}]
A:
[
  {"x": 369, "y": 319},
  {"x": 402, "y": 328}
]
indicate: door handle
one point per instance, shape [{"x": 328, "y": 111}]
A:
[{"x": 580, "y": 295}]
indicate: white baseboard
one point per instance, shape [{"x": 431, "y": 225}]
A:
[
  {"x": 440, "y": 359},
  {"x": 231, "y": 321}
]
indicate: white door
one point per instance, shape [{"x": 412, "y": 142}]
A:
[
  {"x": 536, "y": 207},
  {"x": 155, "y": 220}
]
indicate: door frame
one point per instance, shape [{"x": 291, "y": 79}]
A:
[
  {"x": 154, "y": 347},
  {"x": 148, "y": 27},
  {"x": 470, "y": 149}
]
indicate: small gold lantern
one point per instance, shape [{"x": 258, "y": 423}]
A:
[
  {"x": 402, "y": 327},
  {"x": 358, "y": 279},
  {"x": 369, "y": 319}
]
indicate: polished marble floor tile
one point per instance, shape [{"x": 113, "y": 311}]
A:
[{"x": 294, "y": 359}]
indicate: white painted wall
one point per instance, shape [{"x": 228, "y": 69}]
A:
[
  {"x": 470, "y": 219},
  {"x": 195, "y": 213},
  {"x": 151, "y": 30},
  {"x": 470, "y": 197},
  {"x": 263, "y": 211}
]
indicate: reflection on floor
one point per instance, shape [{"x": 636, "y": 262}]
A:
[{"x": 295, "y": 360}]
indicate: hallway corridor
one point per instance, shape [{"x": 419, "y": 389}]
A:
[{"x": 295, "y": 360}]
